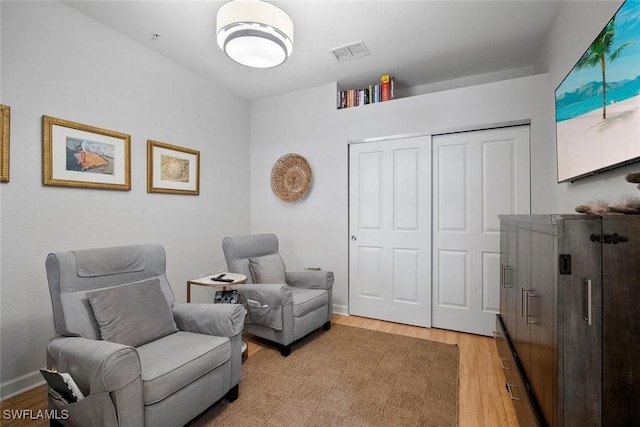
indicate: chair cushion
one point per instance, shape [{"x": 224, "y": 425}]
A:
[
  {"x": 172, "y": 362},
  {"x": 132, "y": 314},
  {"x": 267, "y": 269},
  {"x": 307, "y": 300}
]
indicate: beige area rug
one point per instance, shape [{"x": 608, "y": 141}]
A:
[{"x": 346, "y": 377}]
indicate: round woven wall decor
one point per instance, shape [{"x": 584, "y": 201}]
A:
[{"x": 290, "y": 177}]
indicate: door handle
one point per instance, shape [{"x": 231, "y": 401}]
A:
[
  {"x": 588, "y": 303},
  {"x": 504, "y": 276},
  {"x": 525, "y": 294},
  {"x": 353, "y": 238},
  {"x": 528, "y": 301},
  {"x": 523, "y": 306}
]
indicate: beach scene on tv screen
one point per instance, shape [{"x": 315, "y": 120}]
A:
[{"x": 598, "y": 103}]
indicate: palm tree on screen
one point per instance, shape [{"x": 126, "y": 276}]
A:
[{"x": 598, "y": 54}]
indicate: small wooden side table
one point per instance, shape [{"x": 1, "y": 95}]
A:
[{"x": 210, "y": 282}]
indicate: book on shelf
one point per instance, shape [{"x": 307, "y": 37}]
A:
[
  {"x": 385, "y": 82},
  {"x": 371, "y": 94}
]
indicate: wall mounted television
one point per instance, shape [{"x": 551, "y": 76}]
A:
[{"x": 598, "y": 103}]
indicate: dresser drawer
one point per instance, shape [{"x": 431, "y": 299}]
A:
[
  {"x": 500, "y": 334},
  {"x": 514, "y": 385}
]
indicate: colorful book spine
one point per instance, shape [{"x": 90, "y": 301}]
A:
[
  {"x": 385, "y": 82},
  {"x": 372, "y": 94}
]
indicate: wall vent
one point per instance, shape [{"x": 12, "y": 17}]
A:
[{"x": 350, "y": 51}]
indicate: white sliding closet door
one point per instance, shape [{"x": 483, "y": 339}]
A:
[
  {"x": 390, "y": 230},
  {"x": 476, "y": 177}
]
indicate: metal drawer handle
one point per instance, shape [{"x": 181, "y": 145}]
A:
[
  {"x": 528, "y": 316},
  {"x": 588, "y": 309},
  {"x": 506, "y": 274},
  {"x": 510, "y": 393},
  {"x": 524, "y": 304},
  {"x": 502, "y": 360}
]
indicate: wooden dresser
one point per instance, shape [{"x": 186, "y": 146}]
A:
[{"x": 568, "y": 332}]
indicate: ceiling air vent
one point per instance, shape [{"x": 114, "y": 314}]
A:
[{"x": 350, "y": 51}]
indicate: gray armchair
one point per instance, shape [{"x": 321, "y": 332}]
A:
[
  {"x": 282, "y": 306},
  {"x": 139, "y": 359}
]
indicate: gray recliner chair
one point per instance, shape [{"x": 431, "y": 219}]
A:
[
  {"x": 282, "y": 306},
  {"x": 139, "y": 359}
]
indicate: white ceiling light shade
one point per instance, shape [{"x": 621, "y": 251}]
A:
[{"x": 254, "y": 33}]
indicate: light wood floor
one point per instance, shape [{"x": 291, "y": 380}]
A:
[{"x": 483, "y": 400}]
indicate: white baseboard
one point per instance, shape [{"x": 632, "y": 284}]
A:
[
  {"x": 20, "y": 385},
  {"x": 341, "y": 309}
]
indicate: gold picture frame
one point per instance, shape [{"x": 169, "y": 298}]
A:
[
  {"x": 172, "y": 169},
  {"x": 5, "y": 119},
  {"x": 83, "y": 156}
]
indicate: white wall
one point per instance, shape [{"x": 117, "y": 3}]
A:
[
  {"x": 312, "y": 230},
  {"x": 478, "y": 79},
  {"x": 58, "y": 62}
]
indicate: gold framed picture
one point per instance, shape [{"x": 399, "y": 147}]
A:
[
  {"x": 172, "y": 169},
  {"x": 77, "y": 155},
  {"x": 5, "y": 118}
]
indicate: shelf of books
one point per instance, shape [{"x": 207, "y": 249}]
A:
[{"x": 372, "y": 94}]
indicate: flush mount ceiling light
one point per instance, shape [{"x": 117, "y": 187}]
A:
[{"x": 254, "y": 33}]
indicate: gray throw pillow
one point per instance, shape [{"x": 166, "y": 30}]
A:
[
  {"x": 133, "y": 314},
  {"x": 267, "y": 269}
]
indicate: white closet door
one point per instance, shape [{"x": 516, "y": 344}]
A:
[
  {"x": 476, "y": 177},
  {"x": 390, "y": 230}
]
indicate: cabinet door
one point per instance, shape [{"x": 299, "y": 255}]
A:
[
  {"x": 621, "y": 321},
  {"x": 503, "y": 267},
  {"x": 540, "y": 315},
  {"x": 581, "y": 296},
  {"x": 523, "y": 286},
  {"x": 508, "y": 252}
]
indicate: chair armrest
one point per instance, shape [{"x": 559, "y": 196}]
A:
[
  {"x": 310, "y": 279},
  {"x": 96, "y": 366},
  {"x": 223, "y": 320},
  {"x": 270, "y": 294}
]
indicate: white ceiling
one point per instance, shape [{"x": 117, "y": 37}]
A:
[{"x": 419, "y": 41}]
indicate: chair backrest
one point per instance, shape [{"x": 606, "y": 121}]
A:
[
  {"x": 238, "y": 249},
  {"x": 72, "y": 274}
]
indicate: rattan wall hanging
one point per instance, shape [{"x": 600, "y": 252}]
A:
[{"x": 290, "y": 177}]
